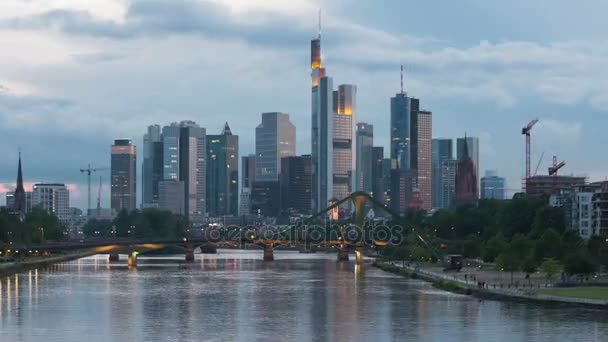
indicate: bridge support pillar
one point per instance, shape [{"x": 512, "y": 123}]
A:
[
  {"x": 113, "y": 258},
  {"x": 132, "y": 261},
  {"x": 209, "y": 248},
  {"x": 268, "y": 253},
  {"x": 189, "y": 255},
  {"x": 359, "y": 256},
  {"x": 343, "y": 253}
]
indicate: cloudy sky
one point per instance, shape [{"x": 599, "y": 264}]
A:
[{"x": 76, "y": 74}]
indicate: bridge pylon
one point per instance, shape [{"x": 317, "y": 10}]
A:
[
  {"x": 132, "y": 260},
  {"x": 114, "y": 257},
  {"x": 343, "y": 253},
  {"x": 268, "y": 253},
  {"x": 189, "y": 257}
]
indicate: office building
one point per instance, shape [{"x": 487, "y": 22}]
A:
[
  {"x": 364, "y": 158},
  {"x": 171, "y": 196},
  {"x": 548, "y": 185},
  {"x": 152, "y": 166},
  {"x": 378, "y": 175},
  {"x": 123, "y": 175},
  {"x": 296, "y": 185},
  {"x": 442, "y": 149},
  {"x": 403, "y": 187},
  {"x": 170, "y": 147},
  {"x": 492, "y": 186},
  {"x": 403, "y": 110},
  {"x": 343, "y": 145},
  {"x": 54, "y": 198},
  {"x": 421, "y": 154},
  {"x": 322, "y": 129},
  {"x": 265, "y": 198},
  {"x": 10, "y": 201},
  {"x": 222, "y": 173},
  {"x": 193, "y": 168},
  {"x": 449, "y": 168},
  {"x": 275, "y": 138},
  {"x": 247, "y": 180}
]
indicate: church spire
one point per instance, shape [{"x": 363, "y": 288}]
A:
[
  {"x": 19, "y": 195},
  {"x": 20, "y": 176}
]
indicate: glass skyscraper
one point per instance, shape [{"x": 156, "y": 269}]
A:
[
  {"x": 442, "y": 149},
  {"x": 492, "y": 186},
  {"x": 222, "y": 173},
  {"x": 123, "y": 175},
  {"x": 275, "y": 138},
  {"x": 344, "y": 149},
  {"x": 364, "y": 160}
]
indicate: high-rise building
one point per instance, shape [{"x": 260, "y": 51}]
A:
[
  {"x": 403, "y": 110},
  {"x": 422, "y": 148},
  {"x": 170, "y": 143},
  {"x": 152, "y": 167},
  {"x": 492, "y": 186},
  {"x": 364, "y": 161},
  {"x": 10, "y": 201},
  {"x": 466, "y": 178},
  {"x": 193, "y": 168},
  {"x": 54, "y": 198},
  {"x": 442, "y": 149},
  {"x": 275, "y": 138},
  {"x": 123, "y": 170},
  {"x": 388, "y": 165},
  {"x": 403, "y": 187},
  {"x": 296, "y": 183},
  {"x": 472, "y": 144},
  {"x": 449, "y": 168},
  {"x": 266, "y": 198},
  {"x": 222, "y": 173},
  {"x": 344, "y": 149},
  {"x": 378, "y": 175},
  {"x": 171, "y": 196},
  {"x": 322, "y": 130},
  {"x": 247, "y": 180}
]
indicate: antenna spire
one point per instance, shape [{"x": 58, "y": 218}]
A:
[
  {"x": 401, "y": 78},
  {"x": 319, "y": 23}
]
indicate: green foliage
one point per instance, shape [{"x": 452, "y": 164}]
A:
[
  {"x": 494, "y": 247},
  {"x": 39, "y": 226},
  {"x": 579, "y": 262},
  {"x": 550, "y": 268},
  {"x": 549, "y": 245}
]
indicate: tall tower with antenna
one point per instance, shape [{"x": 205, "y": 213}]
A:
[{"x": 322, "y": 125}]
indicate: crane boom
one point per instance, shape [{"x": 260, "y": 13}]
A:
[{"x": 88, "y": 171}]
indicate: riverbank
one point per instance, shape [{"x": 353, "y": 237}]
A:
[
  {"x": 10, "y": 268},
  {"x": 452, "y": 284}
]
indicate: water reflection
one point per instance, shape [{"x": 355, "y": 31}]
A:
[{"x": 236, "y": 296}]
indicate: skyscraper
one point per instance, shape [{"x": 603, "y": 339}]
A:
[
  {"x": 193, "y": 168},
  {"x": 322, "y": 129},
  {"x": 472, "y": 144},
  {"x": 296, "y": 182},
  {"x": 19, "y": 207},
  {"x": 422, "y": 143},
  {"x": 378, "y": 174},
  {"x": 123, "y": 170},
  {"x": 442, "y": 149},
  {"x": 403, "y": 186},
  {"x": 492, "y": 186},
  {"x": 364, "y": 161},
  {"x": 466, "y": 178},
  {"x": 449, "y": 168},
  {"x": 222, "y": 173},
  {"x": 344, "y": 149},
  {"x": 247, "y": 180},
  {"x": 152, "y": 167},
  {"x": 275, "y": 138},
  {"x": 403, "y": 109}
]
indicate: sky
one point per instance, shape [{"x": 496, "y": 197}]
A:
[{"x": 74, "y": 75}]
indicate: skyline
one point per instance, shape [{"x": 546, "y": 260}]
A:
[{"x": 473, "y": 84}]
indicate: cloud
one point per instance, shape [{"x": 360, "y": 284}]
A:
[{"x": 550, "y": 131}]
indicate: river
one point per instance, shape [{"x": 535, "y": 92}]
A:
[{"x": 235, "y": 296}]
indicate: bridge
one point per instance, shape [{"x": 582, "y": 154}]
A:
[{"x": 345, "y": 235}]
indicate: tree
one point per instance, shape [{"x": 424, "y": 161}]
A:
[
  {"x": 473, "y": 246},
  {"x": 97, "y": 228},
  {"x": 508, "y": 262},
  {"x": 579, "y": 263},
  {"x": 494, "y": 247},
  {"x": 401, "y": 253},
  {"x": 550, "y": 267},
  {"x": 548, "y": 217},
  {"x": 549, "y": 245}
]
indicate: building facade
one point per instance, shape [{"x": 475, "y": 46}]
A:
[
  {"x": 449, "y": 169},
  {"x": 123, "y": 175},
  {"x": 402, "y": 108},
  {"x": 171, "y": 196},
  {"x": 492, "y": 186},
  {"x": 275, "y": 138},
  {"x": 152, "y": 166},
  {"x": 364, "y": 158},
  {"x": 378, "y": 175},
  {"x": 222, "y": 173},
  {"x": 472, "y": 150},
  {"x": 265, "y": 199},
  {"x": 296, "y": 185},
  {"x": 53, "y": 198},
  {"x": 442, "y": 149},
  {"x": 466, "y": 178},
  {"x": 422, "y": 142},
  {"x": 192, "y": 169},
  {"x": 343, "y": 144}
]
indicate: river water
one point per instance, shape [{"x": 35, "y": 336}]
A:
[{"x": 234, "y": 296}]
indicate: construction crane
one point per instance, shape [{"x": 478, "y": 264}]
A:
[
  {"x": 526, "y": 131},
  {"x": 88, "y": 172},
  {"x": 99, "y": 199},
  {"x": 540, "y": 160},
  {"x": 553, "y": 169}
]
